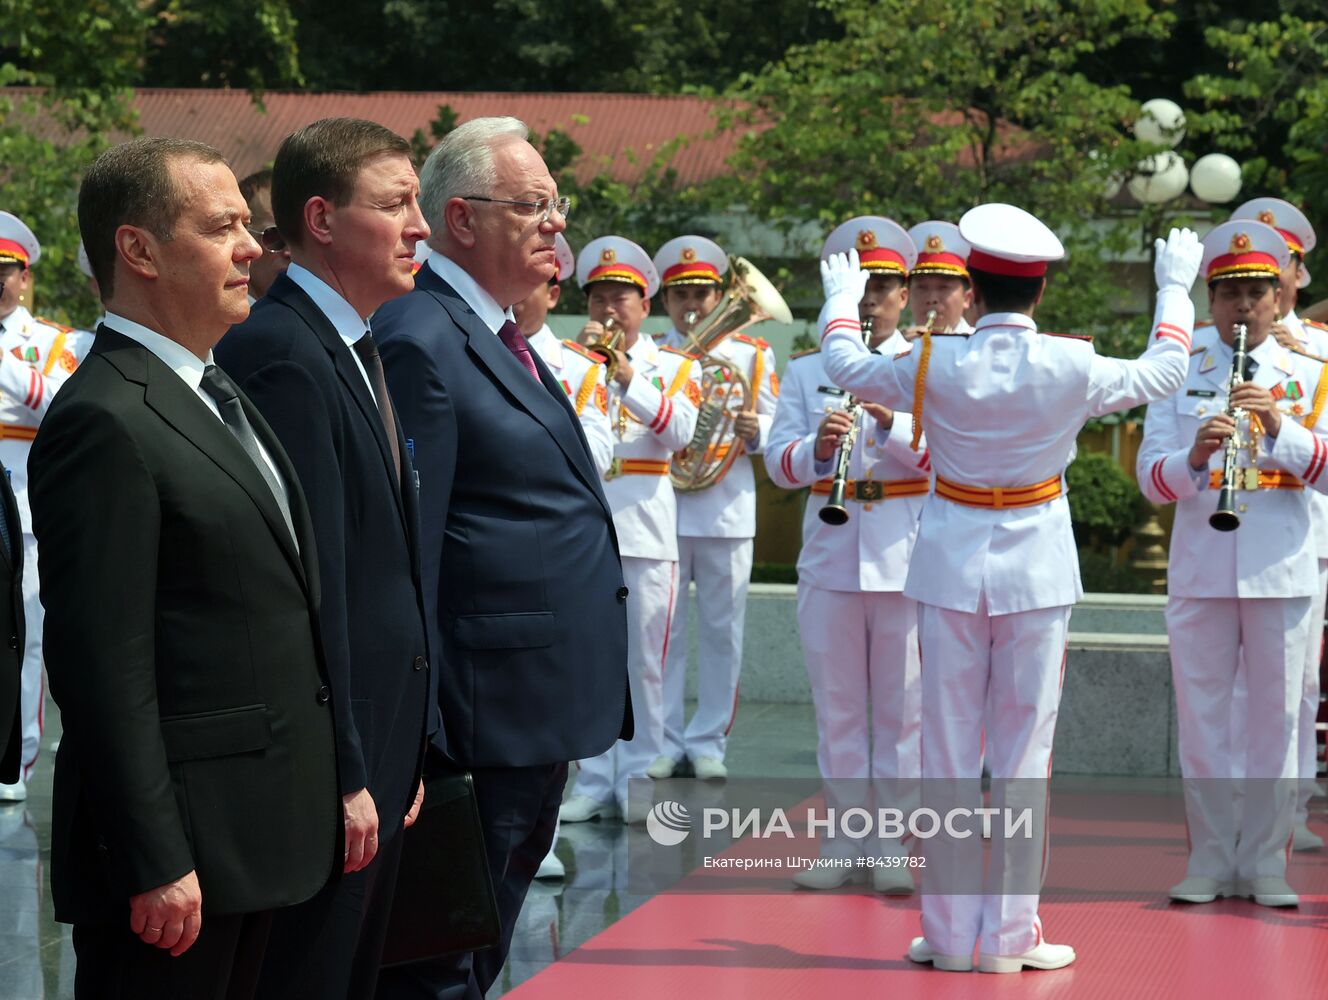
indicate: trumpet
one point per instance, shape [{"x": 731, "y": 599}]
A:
[
  {"x": 1225, "y": 517},
  {"x": 835, "y": 512},
  {"x": 609, "y": 347}
]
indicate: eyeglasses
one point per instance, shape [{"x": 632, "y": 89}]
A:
[
  {"x": 270, "y": 239},
  {"x": 544, "y": 207}
]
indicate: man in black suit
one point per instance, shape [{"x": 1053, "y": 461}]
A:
[
  {"x": 195, "y": 785},
  {"x": 344, "y": 193},
  {"x": 522, "y": 580},
  {"x": 11, "y": 632}
]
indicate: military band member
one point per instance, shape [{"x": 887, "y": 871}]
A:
[
  {"x": 717, "y": 524},
  {"x": 1242, "y": 594},
  {"x": 579, "y": 371},
  {"x": 1308, "y": 336},
  {"x": 36, "y": 356},
  {"x": 939, "y": 281},
  {"x": 652, "y": 414},
  {"x": 858, "y": 630},
  {"x": 994, "y": 569}
]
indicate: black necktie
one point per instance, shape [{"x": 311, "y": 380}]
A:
[
  {"x": 373, "y": 366},
  {"x": 217, "y": 384}
]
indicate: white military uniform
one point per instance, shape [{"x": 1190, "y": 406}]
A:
[
  {"x": 716, "y": 527},
  {"x": 994, "y": 578},
  {"x": 1238, "y": 594},
  {"x": 36, "y": 357},
  {"x": 651, "y": 419},
  {"x": 582, "y": 378},
  {"x": 858, "y": 630}
]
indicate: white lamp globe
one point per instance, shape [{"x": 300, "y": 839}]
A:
[
  {"x": 1159, "y": 178},
  {"x": 1215, "y": 178},
  {"x": 1161, "y": 123}
]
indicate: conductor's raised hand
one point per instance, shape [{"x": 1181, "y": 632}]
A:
[
  {"x": 842, "y": 274},
  {"x": 1177, "y": 259}
]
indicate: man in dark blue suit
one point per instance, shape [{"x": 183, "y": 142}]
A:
[
  {"x": 522, "y": 579},
  {"x": 344, "y": 196}
]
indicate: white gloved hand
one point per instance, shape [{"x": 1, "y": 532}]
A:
[
  {"x": 1177, "y": 259},
  {"x": 842, "y": 274}
]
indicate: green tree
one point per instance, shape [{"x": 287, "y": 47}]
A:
[{"x": 78, "y": 61}]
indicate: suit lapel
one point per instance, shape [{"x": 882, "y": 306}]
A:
[
  {"x": 15, "y": 527},
  {"x": 173, "y": 401},
  {"x": 546, "y": 402},
  {"x": 293, "y": 297}
]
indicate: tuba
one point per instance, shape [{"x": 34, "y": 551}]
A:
[
  {"x": 608, "y": 346},
  {"x": 750, "y": 298}
]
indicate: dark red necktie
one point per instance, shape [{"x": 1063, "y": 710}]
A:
[{"x": 510, "y": 334}]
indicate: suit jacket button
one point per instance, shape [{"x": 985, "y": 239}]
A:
[
  {"x": 622, "y": 595},
  {"x": 419, "y": 663},
  {"x": 324, "y": 695}
]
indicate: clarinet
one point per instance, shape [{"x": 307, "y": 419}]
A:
[
  {"x": 1225, "y": 517},
  {"x": 834, "y": 511}
]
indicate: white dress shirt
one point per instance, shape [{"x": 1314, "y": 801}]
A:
[{"x": 348, "y": 324}]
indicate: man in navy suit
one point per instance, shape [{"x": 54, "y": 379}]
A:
[
  {"x": 522, "y": 580},
  {"x": 11, "y": 630},
  {"x": 344, "y": 196}
]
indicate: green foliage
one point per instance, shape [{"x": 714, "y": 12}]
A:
[
  {"x": 79, "y": 60},
  {"x": 239, "y": 43},
  {"x": 1105, "y": 504},
  {"x": 774, "y": 573},
  {"x": 1102, "y": 576}
]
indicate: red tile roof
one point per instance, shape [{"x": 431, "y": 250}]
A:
[{"x": 617, "y": 133}]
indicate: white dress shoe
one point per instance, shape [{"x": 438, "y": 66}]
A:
[
  {"x": 892, "y": 881},
  {"x": 1044, "y": 956},
  {"x": 1200, "y": 889},
  {"x": 1305, "y": 839},
  {"x": 581, "y": 808},
  {"x": 1270, "y": 890},
  {"x": 709, "y": 769},
  {"x": 662, "y": 767},
  {"x": 17, "y": 792},
  {"x": 551, "y": 869},
  {"x": 827, "y": 877},
  {"x": 921, "y": 952}
]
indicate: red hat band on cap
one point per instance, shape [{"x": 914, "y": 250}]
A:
[
  {"x": 1241, "y": 265},
  {"x": 941, "y": 263},
  {"x": 980, "y": 261},
  {"x": 9, "y": 250},
  {"x": 882, "y": 259},
  {"x": 1293, "y": 244},
  {"x": 618, "y": 271},
  {"x": 693, "y": 272}
]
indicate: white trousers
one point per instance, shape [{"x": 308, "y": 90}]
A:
[
  {"x": 652, "y": 586},
  {"x": 32, "y": 689},
  {"x": 722, "y": 570},
  {"x": 998, "y": 674},
  {"x": 1209, "y": 638}
]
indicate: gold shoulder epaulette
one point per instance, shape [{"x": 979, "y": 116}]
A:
[
  {"x": 1198, "y": 350},
  {"x": 1069, "y": 336},
  {"x": 758, "y": 342},
  {"x": 680, "y": 353},
  {"x": 1307, "y": 354},
  {"x": 803, "y": 354},
  {"x": 584, "y": 351},
  {"x": 1315, "y": 323},
  {"x": 53, "y": 324}
]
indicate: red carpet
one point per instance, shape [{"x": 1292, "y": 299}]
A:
[{"x": 1105, "y": 895}]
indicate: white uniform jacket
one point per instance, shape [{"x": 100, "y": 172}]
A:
[
  {"x": 728, "y": 509},
  {"x": 871, "y": 552},
  {"x": 582, "y": 378},
  {"x": 36, "y": 357},
  {"x": 1002, "y": 408},
  {"x": 1272, "y": 553},
  {"x": 1313, "y": 339},
  {"x": 654, "y": 417}
]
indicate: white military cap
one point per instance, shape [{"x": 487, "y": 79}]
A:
[
  {"x": 1244, "y": 248},
  {"x": 566, "y": 259},
  {"x": 882, "y": 244},
  {"x": 941, "y": 250},
  {"x": 691, "y": 260},
  {"x": 17, "y": 242},
  {"x": 1007, "y": 240},
  {"x": 1288, "y": 220},
  {"x": 613, "y": 258}
]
